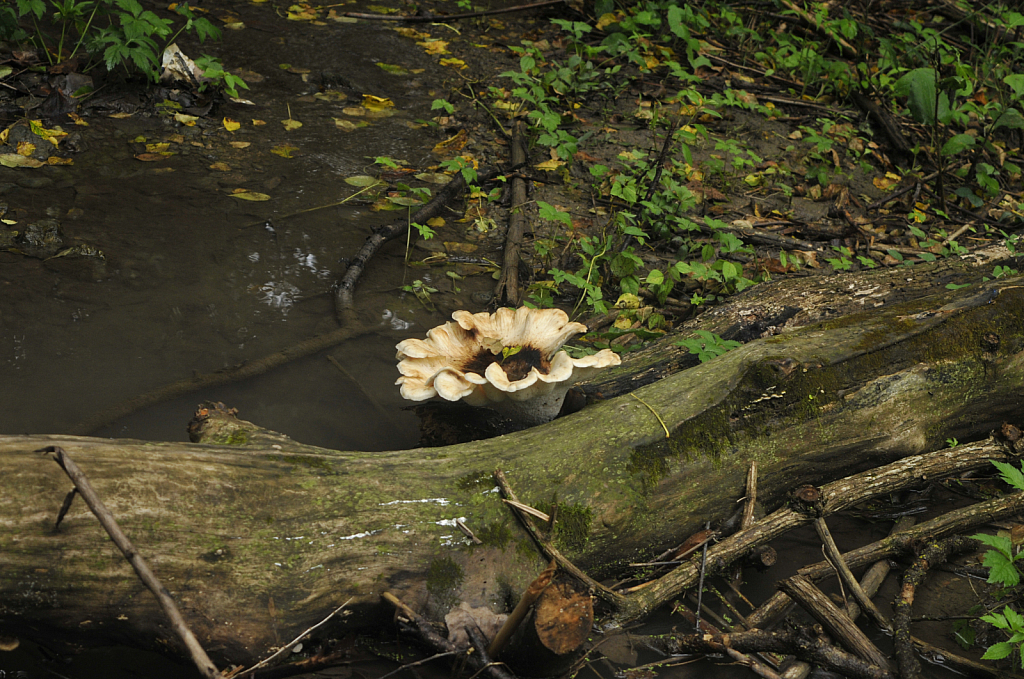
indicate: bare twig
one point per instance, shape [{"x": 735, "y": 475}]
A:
[
  {"x": 847, "y": 578},
  {"x": 287, "y": 647},
  {"x": 551, "y": 552},
  {"x": 163, "y": 597}
]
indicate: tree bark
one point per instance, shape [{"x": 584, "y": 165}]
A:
[{"x": 257, "y": 536}]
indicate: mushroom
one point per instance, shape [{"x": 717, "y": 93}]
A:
[{"x": 509, "y": 360}]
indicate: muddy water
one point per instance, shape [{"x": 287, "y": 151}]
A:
[{"x": 194, "y": 280}]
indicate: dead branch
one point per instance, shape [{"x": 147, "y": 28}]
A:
[
  {"x": 109, "y": 523},
  {"x": 847, "y": 578},
  {"x": 815, "y": 650},
  {"x": 933, "y": 555},
  {"x": 835, "y": 622},
  {"x": 951, "y": 523},
  {"x": 835, "y": 497},
  {"x": 507, "y": 291},
  {"x": 429, "y": 636}
]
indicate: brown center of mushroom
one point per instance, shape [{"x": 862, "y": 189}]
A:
[{"x": 517, "y": 366}]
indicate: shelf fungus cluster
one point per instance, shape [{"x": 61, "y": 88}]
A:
[{"x": 511, "y": 360}]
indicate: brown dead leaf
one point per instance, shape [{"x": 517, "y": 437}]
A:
[
  {"x": 584, "y": 156},
  {"x": 152, "y": 157}
]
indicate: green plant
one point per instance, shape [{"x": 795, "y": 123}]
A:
[
  {"x": 707, "y": 345},
  {"x": 422, "y": 292},
  {"x": 117, "y": 33},
  {"x": 1001, "y": 560}
]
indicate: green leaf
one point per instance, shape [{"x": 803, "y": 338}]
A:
[
  {"x": 1010, "y": 474},
  {"x": 919, "y": 87},
  {"x": 1016, "y": 83},
  {"x": 998, "y": 651},
  {"x": 995, "y": 541},
  {"x": 655, "y": 278},
  {"x": 1011, "y": 118},
  {"x": 1001, "y": 569},
  {"x": 956, "y": 144},
  {"x": 361, "y": 180},
  {"x": 550, "y": 213},
  {"x": 1014, "y": 618}
]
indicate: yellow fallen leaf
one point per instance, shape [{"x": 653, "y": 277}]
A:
[
  {"x": 235, "y": 26},
  {"x": 434, "y": 46},
  {"x": 231, "y": 125},
  {"x": 242, "y": 194},
  {"x": 888, "y": 181},
  {"x": 241, "y": 144},
  {"x": 301, "y": 12},
  {"x": 457, "y": 63},
  {"x": 176, "y": 139},
  {"x": 550, "y": 165},
  {"x": 78, "y": 119},
  {"x": 291, "y": 124},
  {"x": 354, "y": 111},
  {"x": 158, "y": 148},
  {"x": 51, "y": 135},
  {"x": 56, "y": 160},
  {"x": 331, "y": 95},
  {"x": 120, "y": 116},
  {"x": 25, "y": 148},
  {"x": 373, "y": 103},
  {"x": 284, "y": 150},
  {"x": 257, "y": 123},
  {"x": 436, "y": 222},
  {"x": 15, "y": 160},
  {"x": 452, "y": 144},
  {"x": 221, "y": 167},
  {"x": 348, "y": 125},
  {"x": 186, "y": 120},
  {"x": 411, "y": 33}
]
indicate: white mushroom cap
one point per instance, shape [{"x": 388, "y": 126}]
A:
[{"x": 464, "y": 360}]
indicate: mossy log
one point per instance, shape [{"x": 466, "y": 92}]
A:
[{"x": 258, "y": 536}]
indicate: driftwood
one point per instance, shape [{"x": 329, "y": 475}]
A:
[{"x": 256, "y": 535}]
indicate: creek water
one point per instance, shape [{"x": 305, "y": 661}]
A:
[{"x": 194, "y": 280}]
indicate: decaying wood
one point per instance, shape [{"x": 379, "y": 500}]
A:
[
  {"x": 833, "y": 620},
  {"x": 137, "y": 561},
  {"x": 813, "y": 649},
  {"x": 846, "y": 576},
  {"x": 901, "y": 542},
  {"x": 235, "y": 522},
  {"x": 548, "y": 642},
  {"x": 933, "y": 554},
  {"x": 515, "y": 619},
  {"x": 429, "y": 636}
]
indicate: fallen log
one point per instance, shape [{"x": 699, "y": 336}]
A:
[{"x": 257, "y": 536}]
